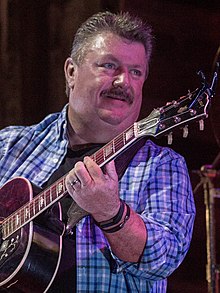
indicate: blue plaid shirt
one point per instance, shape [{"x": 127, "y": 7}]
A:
[{"x": 156, "y": 185}]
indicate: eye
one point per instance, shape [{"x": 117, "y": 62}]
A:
[
  {"x": 136, "y": 72},
  {"x": 109, "y": 65}
]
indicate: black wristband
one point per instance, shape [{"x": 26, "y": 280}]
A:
[
  {"x": 113, "y": 221},
  {"x": 121, "y": 225}
]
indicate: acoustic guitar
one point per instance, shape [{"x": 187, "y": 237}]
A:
[{"x": 30, "y": 253}]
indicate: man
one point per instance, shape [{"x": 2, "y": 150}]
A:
[{"x": 138, "y": 228}]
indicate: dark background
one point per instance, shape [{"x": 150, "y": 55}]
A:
[{"x": 35, "y": 40}]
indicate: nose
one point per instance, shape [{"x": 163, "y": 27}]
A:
[{"x": 121, "y": 80}]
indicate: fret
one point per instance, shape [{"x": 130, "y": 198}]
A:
[
  {"x": 124, "y": 137},
  {"x": 5, "y": 228},
  {"x": 46, "y": 201},
  {"x": 23, "y": 215},
  {"x": 120, "y": 142},
  {"x": 99, "y": 156},
  {"x": 18, "y": 220},
  {"x": 93, "y": 157},
  {"x": 26, "y": 213},
  {"x": 36, "y": 205},
  {"x": 129, "y": 134},
  {"x": 103, "y": 153},
  {"x": 113, "y": 146},
  {"x": 51, "y": 193},
  {"x": 64, "y": 183},
  {"x": 12, "y": 224},
  {"x": 108, "y": 150},
  {"x": 51, "y": 197},
  {"x": 47, "y": 197},
  {"x": 33, "y": 207},
  {"x": 9, "y": 226},
  {"x": 41, "y": 203},
  {"x": 60, "y": 188}
]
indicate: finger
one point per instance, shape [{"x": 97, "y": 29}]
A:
[
  {"x": 72, "y": 182},
  {"x": 81, "y": 172},
  {"x": 93, "y": 169},
  {"x": 70, "y": 188},
  {"x": 110, "y": 170}
]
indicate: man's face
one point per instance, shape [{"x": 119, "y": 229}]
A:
[{"x": 106, "y": 88}]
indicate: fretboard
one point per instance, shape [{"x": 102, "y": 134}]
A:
[
  {"x": 115, "y": 146},
  {"x": 35, "y": 207},
  {"x": 57, "y": 190}
]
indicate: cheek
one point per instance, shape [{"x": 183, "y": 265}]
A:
[
  {"x": 138, "y": 97},
  {"x": 137, "y": 104},
  {"x": 137, "y": 87}
]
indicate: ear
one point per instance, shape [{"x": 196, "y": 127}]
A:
[{"x": 69, "y": 69}]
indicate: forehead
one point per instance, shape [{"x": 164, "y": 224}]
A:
[{"x": 107, "y": 43}]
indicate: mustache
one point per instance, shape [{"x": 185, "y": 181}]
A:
[{"x": 118, "y": 93}]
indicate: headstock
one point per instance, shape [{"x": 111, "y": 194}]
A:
[{"x": 179, "y": 113}]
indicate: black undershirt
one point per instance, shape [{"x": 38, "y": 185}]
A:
[{"x": 65, "y": 280}]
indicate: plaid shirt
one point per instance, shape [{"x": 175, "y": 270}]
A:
[{"x": 156, "y": 185}]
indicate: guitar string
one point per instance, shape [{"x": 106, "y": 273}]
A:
[
  {"x": 33, "y": 207},
  {"x": 115, "y": 145},
  {"x": 9, "y": 223},
  {"x": 99, "y": 157}
]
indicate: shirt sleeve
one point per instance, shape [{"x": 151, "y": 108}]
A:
[
  {"x": 8, "y": 137},
  {"x": 168, "y": 210}
]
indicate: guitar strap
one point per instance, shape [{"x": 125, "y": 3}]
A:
[
  {"x": 123, "y": 160},
  {"x": 75, "y": 213}
]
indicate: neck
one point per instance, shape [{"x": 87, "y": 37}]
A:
[
  {"x": 74, "y": 140},
  {"x": 84, "y": 135}
]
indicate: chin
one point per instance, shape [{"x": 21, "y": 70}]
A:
[
  {"x": 112, "y": 120},
  {"x": 119, "y": 119}
]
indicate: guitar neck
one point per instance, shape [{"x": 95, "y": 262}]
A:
[
  {"x": 57, "y": 190},
  {"x": 191, "y": 107},
  {"x": 112, "y": 149}
]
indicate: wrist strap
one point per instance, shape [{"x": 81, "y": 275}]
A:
[
  {"x": 113, "y": 221},
  {"x": 121, "y": 225}
]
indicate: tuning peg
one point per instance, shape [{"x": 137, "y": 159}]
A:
[
  {"x": 201, "y": 125},
  {"x": 170, "y": 138},
  {"x": 185, "y": 131}
]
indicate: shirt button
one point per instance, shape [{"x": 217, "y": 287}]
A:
[{"x": 55, "y": 160}]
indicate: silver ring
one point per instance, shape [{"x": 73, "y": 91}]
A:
[{"x": 74, "y": 182}]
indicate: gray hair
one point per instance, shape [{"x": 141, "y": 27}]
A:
[{"x": 121, "y": 24}]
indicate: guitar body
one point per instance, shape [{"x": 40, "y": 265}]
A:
[{"x": 29, "y": 258}]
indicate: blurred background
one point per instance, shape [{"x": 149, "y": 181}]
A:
[{"x": 35, "y": 40}]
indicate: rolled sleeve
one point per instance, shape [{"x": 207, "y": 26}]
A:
[{"x": 166, "y": 205}]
